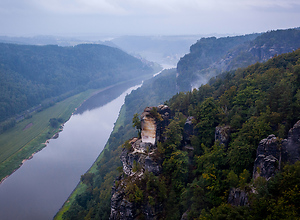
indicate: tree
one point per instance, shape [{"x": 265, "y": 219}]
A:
[{"x": 136, "y": 121}]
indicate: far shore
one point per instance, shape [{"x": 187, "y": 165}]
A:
[{"x": 46, "y": 141}]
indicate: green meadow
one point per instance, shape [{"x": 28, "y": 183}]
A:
[{"x": 30, "y": 135}]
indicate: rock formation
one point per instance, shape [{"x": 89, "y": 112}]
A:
[
  {"x": 267, "y": 159},
  {"x": 291, "y": 145},
  {"x": 237, "y": 197},
  {"x": 138, "y": 157},
  {"x": 188, "y": 130},
  {"x": 222, "y": 134},
  {"x": 271, "y": 153}
]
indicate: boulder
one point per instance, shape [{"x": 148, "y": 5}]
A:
[
  {"x": 188, "y": 130},
  {"x": 222, "y": 134},
  {"x": 267, "y": 159},
  {"x": 291, "y": 145},
  {"x": 238, "y": 197}
]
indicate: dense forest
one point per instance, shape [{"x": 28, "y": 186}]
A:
[
  {"x": 95, "y": 200},
  {"x": 198, "y": 173},
  {"x": 212, "y": 56},
  {"x": 33, "y": 75},
  {"x": 253, "y": 102}
]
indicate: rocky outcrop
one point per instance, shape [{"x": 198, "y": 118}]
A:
[
  {"x": 291, "y": 145},
  {"x": 188, "y": 130},
  {"x": 153, "y": 121},
  {"x": 138, "y": 157},
  {"x": 121, "y": 208},
  {"x": 222, "y": 134},
  {"x": 271, "y": 153},
  {"x": 267, "y": 159},
  {"x": 238, "y": 197}
]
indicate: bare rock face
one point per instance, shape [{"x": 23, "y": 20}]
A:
[
  {"x": 121, "y": 209},
  {"x": 164, "y": 112},
  {"x": 291, "y": 145},
  {"x": 153, "y": 121},
  {"x": 222, "y": 134},
  {"x": 137, "y": 158},
  {"x": 148, "y": 126},
  {"x": 267, "y": 159},
  {"x": 188, "y": 130},
  {"x": 271, "y": 153},
  {"x": 237, "y": 197}
]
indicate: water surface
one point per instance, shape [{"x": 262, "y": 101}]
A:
[{"x": 38, "y": 189}]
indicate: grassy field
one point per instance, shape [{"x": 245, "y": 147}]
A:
[{"x": 29, "y": 135}]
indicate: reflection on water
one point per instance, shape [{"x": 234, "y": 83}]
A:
[
  {"x": 106, "y": 96},
  {"x": 40, "y": 187}
]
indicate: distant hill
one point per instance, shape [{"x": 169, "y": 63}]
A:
[
  {"x": 161, "y": 49},
  {"x": 201, "y": 163},
  {"x": 32, "y": 74},
  {"x": 211, "y": 56}
]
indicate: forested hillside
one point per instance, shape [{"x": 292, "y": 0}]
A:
[
  {"x": 97, "y": 183},
  {"x": 244, "y": 100},
  {"x": 196, "y": 178},
  {"x": 31, "y": 75},
  {"x": 212, "y": 56},
  {"x": 204, "y": 169}
]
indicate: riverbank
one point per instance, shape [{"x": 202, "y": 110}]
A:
[
  {"x": 19, "y": 144},
  {"x": 81, "y": 187}
]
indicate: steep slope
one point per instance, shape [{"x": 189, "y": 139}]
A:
[
  {"x": 96, "y": 205},
  {"x": 92, "y": 196},
  {"x": 211, "y": 56},
  {"x": 200, "y": 166},
  {"x": 32, "y": 74}
]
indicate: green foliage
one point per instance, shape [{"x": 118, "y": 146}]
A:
[
  {"x": 134, "y": 193},
  {"x": 173, "y": 134},
  {"x": 203, "y": 53},
  {"x": 136, "y": 121},
  {"x": 127, "y": 145},
  {"x": 55, "y": 122},
  {"x": 232, "y": 179},
  {"x": 136, "y": 166},
  {"x": 177, "y": 166},
  {"x": 153, "y": 92},
  {"x": 207, "y": 116},
  {"x": 244, "y": 178},
  {"x": 255, "y": 102},
  {"x": 246, "y": 101},
  {"x": 87, "y": 178},
  {"x": 31, "y": 75}
]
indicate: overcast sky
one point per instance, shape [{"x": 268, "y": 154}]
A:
[{"x": 145, "y": 17}]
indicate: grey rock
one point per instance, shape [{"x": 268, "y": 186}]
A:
[
  {"x": 144, "y": 153},
  {"x": 238, "y": 197},
  {"x": 222, "y": 134},
  {"x": 291, "y": 145},
  {"x": 188, "y": 130},
  {"x": 267, "y": 159},
  {"x": 151, "y": 166}
]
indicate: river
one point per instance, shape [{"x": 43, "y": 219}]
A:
[{"x": 38, "y": 189}]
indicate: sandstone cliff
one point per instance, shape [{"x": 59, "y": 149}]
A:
[
  {"x": 141, "y": 163},
  {"x": 273, "y": 153}
]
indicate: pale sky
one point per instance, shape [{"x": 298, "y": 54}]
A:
[{"x": 145, "y": 17}]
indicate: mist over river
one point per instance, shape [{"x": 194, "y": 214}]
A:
[{"x": 38, "y": 189}]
